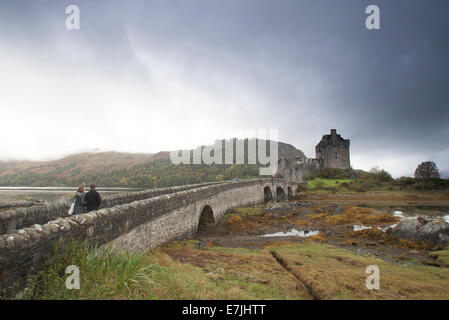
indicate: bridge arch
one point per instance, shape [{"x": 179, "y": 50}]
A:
[
  {"x": 206, "y": 218},
  {"x": 267, "y": 194},
  {"x": 280, "y": 194}
]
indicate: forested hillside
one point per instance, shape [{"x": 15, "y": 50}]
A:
[{"x": 115, "y": 169}]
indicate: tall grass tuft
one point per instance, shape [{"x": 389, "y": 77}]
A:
[{"x": 104, "y": 274}]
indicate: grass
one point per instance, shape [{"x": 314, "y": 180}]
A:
[
  {"x": 353, "y": 214},
  {"x": 248, "y": 274},
  {"x": 332, "y": 273},
  {"x": 320, "y": 182},
  {"x": 237, "y": 215},
  {"x": 107, "y": 274},
  {"x": 181, "y": 270},
  {"x": 249, "y": 211},
  {"x": 254, "y": 220},
  {"x": 441, "y": 256},
  {"x": 372, "y": 182},
  {"x": 104, "y": 274}
]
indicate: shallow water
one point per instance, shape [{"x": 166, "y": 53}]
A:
[
  {"x": 293, "y": 232},
  {"x": 358, "y": 227},
  {"x": 398, "y": 214}
]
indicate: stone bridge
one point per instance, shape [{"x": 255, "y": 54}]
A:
[{"x": 132, "y": 221}]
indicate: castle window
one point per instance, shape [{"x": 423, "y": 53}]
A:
[{"x": 336, "y": 155}]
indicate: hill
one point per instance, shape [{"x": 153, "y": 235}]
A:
[
  {"x": 76, "y": 164},
  {"x": 116, "y": 169}
]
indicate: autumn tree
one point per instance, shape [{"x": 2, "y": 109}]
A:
[{"x": 426, "y": 171}]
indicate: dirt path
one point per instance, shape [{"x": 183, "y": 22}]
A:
[{"x": 301, "y": 284}]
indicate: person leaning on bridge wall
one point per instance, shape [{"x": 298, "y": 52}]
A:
[
  {"x": 93, "y": 198},
  {"x": 79, "y": 201}
]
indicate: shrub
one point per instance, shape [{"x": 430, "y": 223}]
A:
[
  {"x": 405, "y": 181},
  {"x": 344, "y": 185},
  {"x": 332, "y": 189},
  {"x": 331, "y": 173},
  {"x": 319, "y": 185},
  {"x": 360, "y": 186}
]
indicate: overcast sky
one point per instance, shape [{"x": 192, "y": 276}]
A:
[{"x": 146, "y": 76}]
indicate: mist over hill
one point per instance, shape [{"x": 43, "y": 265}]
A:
[{"x": 114, "y": 169}]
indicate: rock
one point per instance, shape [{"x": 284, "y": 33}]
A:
[
  {"x": 282, "y": 206},
  {"x": 11, "y": 225},
  {"x": 436, "y": 230},
  {"x": 422, "y": 220},
  {"x": 429, "y": 263},
  {"x": 37, "y": 227}
]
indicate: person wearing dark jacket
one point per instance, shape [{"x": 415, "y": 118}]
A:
[{"x": 92, "y": 198}]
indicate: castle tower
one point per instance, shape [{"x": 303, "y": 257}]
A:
[{"x": 333, "y": 151}]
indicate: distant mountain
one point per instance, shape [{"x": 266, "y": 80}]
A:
[
  {"x": 290, "y": 152},
  {"x": 124, "y": 169},
  {"x": 79, "y": 164}
]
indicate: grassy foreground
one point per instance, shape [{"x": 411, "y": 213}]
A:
[
  {"x": 105, "y": 274},
  {"x": 332, "y": 273},
  {"x": 183, "y": 271}
]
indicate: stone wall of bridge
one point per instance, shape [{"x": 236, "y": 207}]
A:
[
  {"x": 183, "y": 222},
  {"x": 137, "y": 225}
]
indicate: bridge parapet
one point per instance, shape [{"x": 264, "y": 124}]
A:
[{"x": 21, "y": 218}]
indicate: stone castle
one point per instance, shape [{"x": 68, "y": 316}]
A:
[{"x": 331, "y": 152}]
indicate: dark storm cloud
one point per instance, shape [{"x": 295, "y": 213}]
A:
[
  {"x": 40, "y": 26},
  {"x": 389, "y": 86},
  {"x": 312, "y": 63}
]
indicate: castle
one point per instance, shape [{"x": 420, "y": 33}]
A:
[{"x": 331, "y": 152}]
